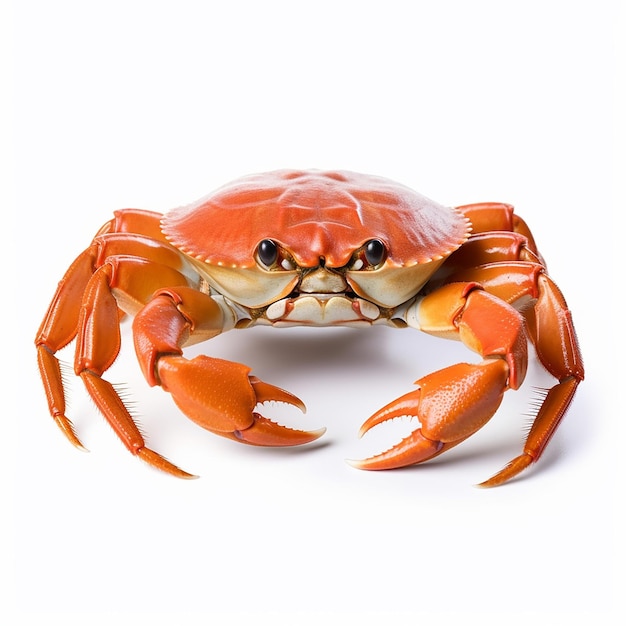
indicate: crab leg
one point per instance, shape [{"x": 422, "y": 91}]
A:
[
  {"x": 495, "y": 216},
  {"x": 85, "y": 308},
  {"x": 58, "y": 329},
  {"x": 549, "y": 320},
  {"x": 488, "y": 249},
  {"x": 216, "y": 394},
  {"x": 552, "y": 332},
  {"x": 61, "y": 322},
  {"x": 445, "y": 419}
]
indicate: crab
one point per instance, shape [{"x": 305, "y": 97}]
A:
[{"x": 314, "y": 248}]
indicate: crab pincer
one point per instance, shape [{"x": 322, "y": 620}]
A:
[
  {"x": 221, "y": 397},
  {"x": 451, "y": 405}
]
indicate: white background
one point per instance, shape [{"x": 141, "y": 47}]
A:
[{"x": 154, "y": 104}]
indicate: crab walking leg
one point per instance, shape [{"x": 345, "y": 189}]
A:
[
  {"x": 98, "y": 344},
  {"x": 94, "y": 322},
  {"x": 58, "y": 329},
  {"x": 489, "y": 249},
  {"x": 552, "y": 332},
  {"x": 61, "y": 322},
  {"x": 455, "y": 402},
  {"x": 549, "y": 320},
  {"x": 494, "y": 216},
  {"x": 218, "y": 395}
]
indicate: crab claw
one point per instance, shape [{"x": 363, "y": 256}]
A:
[
  {"x": 412, "y": 449},
  {"x": 451, "y": 405},
  {"x": 265, "y": 432},
  {"x": 220, "y": 396}
]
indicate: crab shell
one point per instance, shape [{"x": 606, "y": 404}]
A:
[{"x": 319, "y": 220}]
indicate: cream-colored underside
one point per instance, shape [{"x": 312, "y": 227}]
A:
[
  {"x": 254, "y": 287},
  {"x": 321, "y": 310}
]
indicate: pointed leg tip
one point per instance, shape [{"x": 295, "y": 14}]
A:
[
  {"x": 155, "y": 460},
  {"x": 490, "y": 483},
  {"x": 508, "y": 472},
  {"x": 67, "y": 428},
  {"x": 484, "y": 485},
  {"x": 187, "y": 476},
  {"x": 495, "y": 481}
]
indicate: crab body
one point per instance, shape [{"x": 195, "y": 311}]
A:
[
  {"x": 291, "y": 234},
  {"x": 314, "y": 248}
]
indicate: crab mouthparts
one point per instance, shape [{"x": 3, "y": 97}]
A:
[{"x": 322, "y": 309}]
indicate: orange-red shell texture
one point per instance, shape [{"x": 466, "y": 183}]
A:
[{"x": 315, "y": 214}]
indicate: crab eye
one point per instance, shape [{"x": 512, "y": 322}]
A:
[
  {"x": 273, "y": 257},
  {"x": 370, "y": 256},
  {"x": 375, "y": 252},
  {"x": 267, "y": 252}
]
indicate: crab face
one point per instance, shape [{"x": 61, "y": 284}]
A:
[{"x": 309, "y": 247}]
